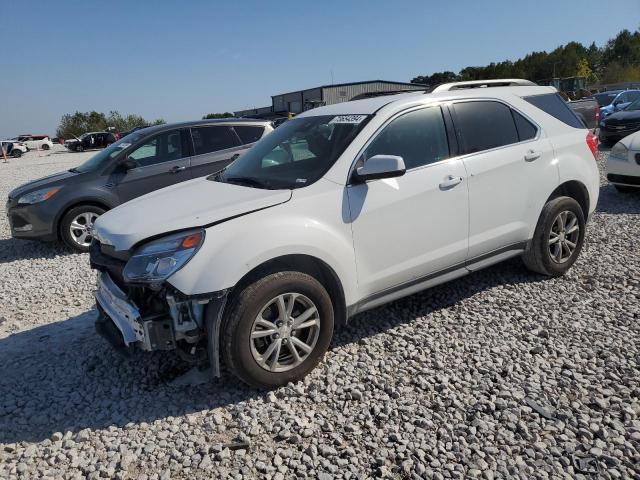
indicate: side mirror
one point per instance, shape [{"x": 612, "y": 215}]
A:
[
  {"x": 128, "y": 164},
  {"x": 380, "y": 166}
]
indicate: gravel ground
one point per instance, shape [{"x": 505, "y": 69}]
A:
[{"x": 501, "y": 374}]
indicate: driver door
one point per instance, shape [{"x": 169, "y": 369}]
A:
[
  {"x": 161, "y": 160},
  {"x": 415, "y": 225}
]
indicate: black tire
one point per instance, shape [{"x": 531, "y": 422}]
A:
[
  {"x": 626, "y": 189},
  {"x": 245, "y": 306},
  {"x": 16, "y": 153},
  {"x": 79, "y": 148},
  {"x": 65, "y": 225},
  {"x": 45, "y": 146},
  {"x": 537, "y": 256}
]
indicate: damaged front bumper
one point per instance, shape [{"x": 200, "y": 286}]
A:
[{"x": 155, "y": 317}]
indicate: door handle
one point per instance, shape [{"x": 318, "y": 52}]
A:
[
  {"x": 450, "y": 181},
  {"x": 177, "y": 169},
  {"x": 532, "y": 155}
]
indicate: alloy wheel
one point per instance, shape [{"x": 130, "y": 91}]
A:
[
  {"x": 285, "y": 332},
  {"x": 564, "y": 235},
  {"x": 80, "y": 228}
]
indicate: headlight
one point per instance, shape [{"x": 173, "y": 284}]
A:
[
  {"x": 38, "y": 196},
  {"x": 157, "y": 260},
  {"x": 619, "y": 151}
]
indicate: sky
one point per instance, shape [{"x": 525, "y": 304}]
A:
[{"x": 179, "y": 60}]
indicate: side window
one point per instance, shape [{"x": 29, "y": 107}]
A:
[
  {"x": 632, "y": 96},
  {"x": 484, "y": 125},
  {"x": 161, "y": 148},
  {"x": 249, "y": 133},
  {"x": 554, "y": 105},
  {"x": 623, "y": 98},
  {"x": 526, "y": 129},
  {"x": 212, "y": 139},
  {"x": 419, "y": 137}
]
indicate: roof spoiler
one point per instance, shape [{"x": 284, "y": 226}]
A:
[{"x": 501, "y": 82}]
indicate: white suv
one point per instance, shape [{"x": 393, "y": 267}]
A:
[{"x": 340, "y": 210}]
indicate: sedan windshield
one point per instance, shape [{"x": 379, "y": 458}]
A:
[
  {"x": 102, "y": 158},
  {"x": 296, "y": 154}
]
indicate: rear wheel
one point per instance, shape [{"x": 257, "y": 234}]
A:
[
  {"x": 45, "y": 146},
  {"x": 277, "y": 329},
  {"x": 558, "y": 238},
  {"x": 76, "y": 225}
]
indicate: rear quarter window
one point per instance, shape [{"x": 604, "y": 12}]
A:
[{"x": 554, "y": 105}]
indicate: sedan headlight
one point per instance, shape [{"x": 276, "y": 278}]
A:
[
  {"x": 157, "y": 260},
  {"x": 619, "y": 152},
  {"x": 38, "y": 196}
]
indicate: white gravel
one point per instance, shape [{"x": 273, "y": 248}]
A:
[{"x": 502, "y": 374}]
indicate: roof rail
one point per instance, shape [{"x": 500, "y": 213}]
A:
[{"x": 501, "y": 82}]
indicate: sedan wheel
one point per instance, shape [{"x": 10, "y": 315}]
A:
[{"x": 80, "y": 228}]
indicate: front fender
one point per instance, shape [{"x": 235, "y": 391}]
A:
[{"x": 237, "y": 246}]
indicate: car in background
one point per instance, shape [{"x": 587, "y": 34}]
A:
[
  {"x": 90, "y": 140},
  {"x": 618, "y": 102},
  {"x": 623, "y": 164},
  {"x": 65, "y": 205},
  {"x": 587, "y": 110},
  {"x": 134, "y": 129},
  {"x": 13, "y": 148},
  {"x": 620, "y": 124},
  {"x": 34, "y": 142}
]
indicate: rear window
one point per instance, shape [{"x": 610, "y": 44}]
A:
[
  {"x": 605, "y": 99},
  {"x": 484, "y": 125},
  {"x": 249, "y": 133},
  {"x": 554, "y": 105}
]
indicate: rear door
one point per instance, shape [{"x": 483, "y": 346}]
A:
[
  {"x": 214, "y": 147},
  {"x": 160, "y": 161},
  {"x": 510, "y": 164}
]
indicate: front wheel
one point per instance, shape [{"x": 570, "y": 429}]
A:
[
  {"x": 277, "y": 329},
  {"x": 16, "y": 153},
  {"x": 76, "y": 225},
  {"x": 558, "y": 238},
  {"x": 45, "y": 146}
]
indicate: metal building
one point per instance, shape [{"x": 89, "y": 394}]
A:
[{"x": 302, "y": 100}]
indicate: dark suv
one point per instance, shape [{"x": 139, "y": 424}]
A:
[
  {"x": 90, "y": 140},
  {"x": 65, "y": 205}
]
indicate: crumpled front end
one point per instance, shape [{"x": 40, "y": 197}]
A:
[{"x": 155, "y": 317}]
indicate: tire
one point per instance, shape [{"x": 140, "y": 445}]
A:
[
  {"x": 79, "y": 148},
  {"x": 45, "y": 146},
  {"x": 248, "y": 358},
  {"x": 16, "y": 153},
  {"x": 73, "y": 239},
  {"x": 538, "y": 256},
  {"x": 626, "y": 189}
]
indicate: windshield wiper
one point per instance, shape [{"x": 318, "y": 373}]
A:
[{"x": 248, "y": 181}]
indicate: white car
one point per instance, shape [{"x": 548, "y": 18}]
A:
[
  {"x": 35, "y": 142},
  {"x": 344, "y": 208},
  {"x": 623, "y": 164},
  {"x": 13, "y": 148}
]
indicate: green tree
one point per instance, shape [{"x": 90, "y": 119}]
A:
[
  {"x": 217, "y": 115},
  {"x": 81, "y": 122}
]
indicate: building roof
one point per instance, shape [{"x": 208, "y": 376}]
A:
[{"x": 417, "y": 85}]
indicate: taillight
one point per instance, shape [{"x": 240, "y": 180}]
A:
[
  {"x": 597, "y": 114},
  {"x": 592, "y": 143}
]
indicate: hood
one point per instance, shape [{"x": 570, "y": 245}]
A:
[
  {"x": 195, "y": 203},
  {"x": 71, "y": 140},
  {"x": 623, "y": 117},
  {"x": 51, "y": 180},
  {"x": 632, "y": 142}
]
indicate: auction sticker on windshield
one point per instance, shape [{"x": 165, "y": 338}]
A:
[{"x": 353, "y": 119}]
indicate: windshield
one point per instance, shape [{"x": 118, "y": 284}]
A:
[
  {"x": 102, "y": 158},
  {"x": 296, "y": 154}
]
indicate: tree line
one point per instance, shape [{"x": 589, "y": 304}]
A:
[
  {"x": 617, "y": 61},
  {"x": 75, "y": 124}
]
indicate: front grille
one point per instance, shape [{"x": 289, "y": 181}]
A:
[{"x": 623, "y": 179}]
